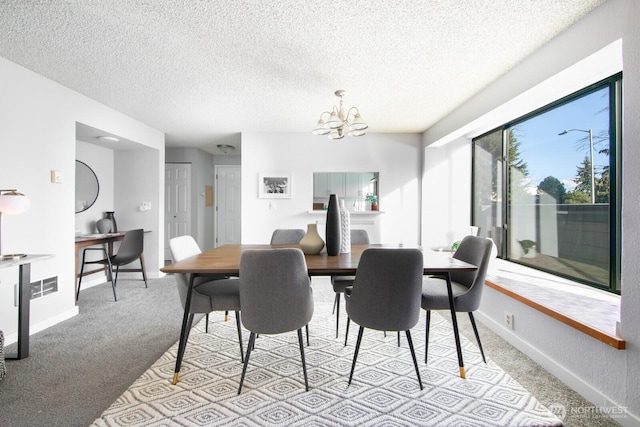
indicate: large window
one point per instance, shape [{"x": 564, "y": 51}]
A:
[{"x": 545, "y": 187}]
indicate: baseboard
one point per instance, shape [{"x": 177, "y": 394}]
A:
[
  {"x": 34, "y": 328},
  {"x": 99, "y": 280},
  {"x": 576, "y": 383}
]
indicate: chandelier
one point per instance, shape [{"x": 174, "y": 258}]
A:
[{"x": 337, "y": 122}]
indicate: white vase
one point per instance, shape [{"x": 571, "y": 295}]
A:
[
  {"x": 345, "y": 229},
  {"x": 312, "y": 243}
]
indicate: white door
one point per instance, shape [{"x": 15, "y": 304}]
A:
[
  {"x": 227, "y": 201},
  {"x": 177, "y": 201}
]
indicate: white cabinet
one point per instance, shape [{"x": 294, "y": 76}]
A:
[
  {"x": 320, "y": 184},
  {"x": 358, "y": 184},
  {"x": 336, "y": 184},
  {"x": 325, "y": 183},
  {"x": 352, "y": 185}
]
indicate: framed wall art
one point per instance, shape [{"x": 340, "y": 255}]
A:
[{"x": 274, "y": 185}]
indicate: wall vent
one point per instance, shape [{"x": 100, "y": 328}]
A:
[{"x": 44, "y": 287}]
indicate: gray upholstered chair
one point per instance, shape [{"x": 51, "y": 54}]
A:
[
  {"x": 130, "y": 250},
  {"x": 358, "y": 237},
  {"x": 210, "y": 293},
  {"x": 275, "y": 295},
  {"x": 466, "y": 286},
  {"x": 287, "y": 236},
  {"x": 386, "y": 294}
]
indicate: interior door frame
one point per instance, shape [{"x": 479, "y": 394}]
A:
[
  {"x": 189, "y": 217},
  {"x": 216, "y": 200}
]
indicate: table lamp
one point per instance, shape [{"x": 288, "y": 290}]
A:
[{"x": 11, "y": 202}]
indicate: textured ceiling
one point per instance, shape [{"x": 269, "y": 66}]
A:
[{"x": 202, "y": 71}]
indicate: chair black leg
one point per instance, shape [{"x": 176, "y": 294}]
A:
[
  {"x": 304, "y": 363},
  {"x": 239, "y": 336},
  {"x": 335, "y": 301},
  {"x": 306, "y": 327},
  {"x": 80, "y": 280},
  {"x": 346, "y": 334},
  {"x": 114, "y": 282},
  {"x": 252, "y": 340},
  {"x": 144, "y": 271},
  {"x": 336, "y": 304},
  {"x": 475, "y": 330},
  {"x": 206, "y": 323},
  {"x": 355, "y": 355},
  {"x": 398, "y": 338},
  {"x": 426, "y": 335},
  {"x": 413, "y": 356}
]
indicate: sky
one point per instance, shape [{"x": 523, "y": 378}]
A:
[{"x": 549, "y": 154}]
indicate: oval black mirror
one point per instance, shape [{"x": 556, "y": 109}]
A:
[{"x": 87, "y": 187}]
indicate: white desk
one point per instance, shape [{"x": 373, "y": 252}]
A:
[{"x": 24, "y": 299}]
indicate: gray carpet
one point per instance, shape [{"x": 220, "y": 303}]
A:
[{"x": 79, "y": 367}]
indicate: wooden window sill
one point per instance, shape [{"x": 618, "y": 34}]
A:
[{"x": 589, "y": 310}]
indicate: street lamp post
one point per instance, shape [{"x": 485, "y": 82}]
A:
[{"x": 593, "y": 178}]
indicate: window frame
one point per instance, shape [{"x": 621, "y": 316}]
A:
[{"x": 614, "y": 84}]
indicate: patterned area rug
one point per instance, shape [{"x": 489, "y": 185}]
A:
[{"x": 384, "y": 390}]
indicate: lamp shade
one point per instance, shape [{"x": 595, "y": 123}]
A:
[
  {"x": 358, "y": 124},
  {"x": 333, "y": 122},
  {"x": 320, "y": 129},
  {"x": 12, "y": 202}
]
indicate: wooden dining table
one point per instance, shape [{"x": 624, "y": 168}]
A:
[{"x": 225, "y": 260}]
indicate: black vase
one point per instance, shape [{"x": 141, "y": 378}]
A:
[
  {"x": 332, "y": 232},
  {"x": 114, "y": 226}
]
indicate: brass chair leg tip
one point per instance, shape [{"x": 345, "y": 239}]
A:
[
  {"x": 462, "y": 374},
  {"x": 176, "y": 377}
]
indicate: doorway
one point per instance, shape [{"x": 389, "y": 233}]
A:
[
  {"x": 227, "y": 200},
  {"x": 177, "y": 197}
]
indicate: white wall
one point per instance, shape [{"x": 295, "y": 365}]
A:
[
  {"x": 396, "y": 156},
  {"x": 38, "y": 121},
  {"x": 606, "y": 376},
  {"x": 446, "y": 202},
  {"x": 132, "y": 186}
]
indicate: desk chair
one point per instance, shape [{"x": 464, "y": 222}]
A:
[
  {"x": 466, "y": 286},
  {"x": 358, "y": 237},
  {"x": 275, "y": 295},
  {"x": 131, "y": 249},
  {"x": 386, "y": 294}
]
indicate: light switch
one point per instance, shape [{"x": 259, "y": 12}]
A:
[{"x": 56, "y": 177}]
